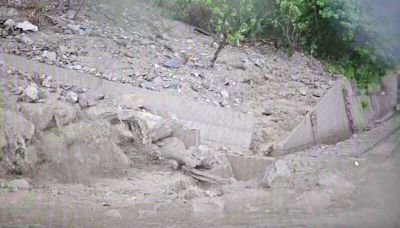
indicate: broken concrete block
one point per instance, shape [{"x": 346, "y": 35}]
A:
[
  {"x": 190, "y": 137},
  {"x": 248, "y": 167}
]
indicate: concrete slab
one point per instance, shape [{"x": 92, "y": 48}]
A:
[
  {"x": 215, "y": 124},
  {"x": 248, "y": 167},
  {"x": 340, "y": 113}
]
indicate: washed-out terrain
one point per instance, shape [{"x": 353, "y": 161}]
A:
[{"x": 82, "y": 158}]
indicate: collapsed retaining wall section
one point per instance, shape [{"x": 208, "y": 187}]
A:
[{"x": 343, "y": 111}]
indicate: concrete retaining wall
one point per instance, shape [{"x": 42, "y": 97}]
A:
[
  {"x": 220, "y": 125},
  {"x": 342, "y": 112}
]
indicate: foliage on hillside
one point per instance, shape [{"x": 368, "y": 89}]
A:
[{"x": 333, "y": 30}]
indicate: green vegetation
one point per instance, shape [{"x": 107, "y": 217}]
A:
[{"x": 337, "y": 31}]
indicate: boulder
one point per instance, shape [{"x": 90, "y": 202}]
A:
[
  {"x": 72, "y": 97},
  {"x": 159, "y": 128},
  {"x": 27, "y": 26},
  {"x": 41, "y": 115},
  {"x": 31, "y": 93},
  {"x": 173, "y": 148},
  {"x": 82, "y": 151}
]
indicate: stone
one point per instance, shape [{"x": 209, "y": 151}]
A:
[
  {"x": 131, "y": 101},
  {"x": 173, "y": 63},
  {"x": 190, "y": 137},
  {"x": 122, "y": 133},
  {"x": 225, "y": 94},
  {"x": 113, "y": 213},
  {"x": 72, "y": 97},
  {"x": 27, "y": 26},
  {"x": 41, "y": 115},
  {"x": 89, "y": 99},
  {"x": 206, "y": 177},
  {"x": 50, "y": 55},
  {"x": 159, "y": 128},
  {"x": 274, "y": 171},
  {"x": 19, "y": 185},
  {"x": 31, "y": 93}
]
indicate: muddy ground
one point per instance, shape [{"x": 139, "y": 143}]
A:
[{"x": 82, "y": 165}]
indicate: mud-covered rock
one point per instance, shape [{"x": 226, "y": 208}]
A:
[
  {"x": 173, "y": 148},
  {"x": 80, "y": 152}
]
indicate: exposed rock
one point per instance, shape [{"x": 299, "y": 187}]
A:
[
  {"x": 131, "y": 101},
  {"x": 72, "y": 97},
  {"x": 64, "y": 113},
  {"x": 31, "y": 93},
  {"x": 27, "y": 26},
  {"x": 273, "y": 171},
  {"x": 41, "y": 115},
  {"x": 19, "y": 185}
]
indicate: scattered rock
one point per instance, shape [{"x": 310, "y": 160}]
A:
[
  {"x": 27, "y": 26},
  {"x": 31, "y": 93},
  {"x": 173, "y": 63},
  {"x": 72, "y": 97}
]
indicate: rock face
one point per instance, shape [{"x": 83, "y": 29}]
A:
[{"x": 40, "y": 115}]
